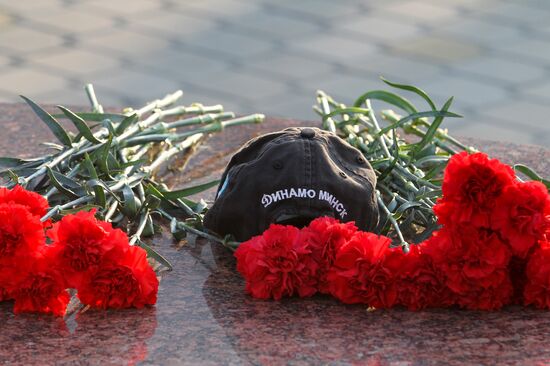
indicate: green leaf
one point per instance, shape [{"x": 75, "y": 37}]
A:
[
  {"x": 413, "y": 89},
  {"x": 52, "y": 124},
  {"x": 131, "y": 205},
  {"x": 387, "y": 97},
  {"x": 413, "y": 116},
  {"x": 395, "y": 159},
  {"x": 101, "y": 156},
  {"x": 155, "y": 255},
  {"x": 347, "y": 110},
  {"x": 430, "y": 133},
  {"x": 67, "y": 192},
  {"x": 77, "y": 209},
  {"x": 80, "y": 125},
  {"x": 190, "y": 190},
  {"x": 430, "y": 160},
  {"x": 531, "y": 174},
  {"x": 404, "y": 207},
  {"x": 125, "y": 123},
  {"x": 98, "y": 189},
  {"x": 96, "y": 117},
  {"x": 7, "y": 162}
]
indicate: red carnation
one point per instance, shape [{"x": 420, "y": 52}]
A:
[
  {"x": 521, "y": 215},
  {"x": 3, "y": 294},
  {"x": 364, "y": 271},
  {"x": 471, "y": 185},
  {"x": 325, "y": 235},
  {"x": 473, "y": 263},
  {"x": 82, "y": 242},
  {"x": 40, "y": 290},
  {"x": 21, "y": 233},
  {"x": 36, "y": 204},
  {"x": 277, "y": 263},
  {"x": 129, "y": 282},
  {"x": 418, "y": 284},
  {"x": 537, "y": 287}
]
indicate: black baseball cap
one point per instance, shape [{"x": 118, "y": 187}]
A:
[{"x": 291, "y": 177}]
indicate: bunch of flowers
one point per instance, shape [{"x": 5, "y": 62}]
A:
[
  {"x": 40, "y": 261},
  {"x": 492, "y": 249}
]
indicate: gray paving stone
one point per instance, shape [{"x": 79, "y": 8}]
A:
[
  {"x": 502, "y": 69},
  {"x": 418, "y": 11},
  {"x": 469, "y": 4},
  {"x": 482, "y": 32},
  {"x": 281, "y": 27},
  {"x": 245, "y": 86},
  {"x": 178, "y": 64},
  {"x": 334, "y": 48},
  {"x": 539, "y": 90},
  {"x": 140, "y": 87},
  {"x": 521, "y": 113},
  {"x": 18, "y": 6},
  {"x": 528, "y": 49},
  {"x": 377, "y": 28},
  {"x": 118, "y": 8},
  {"x": 320, "y": 9},
  {"x": 342, "y": 87},
  {"x": 70, "y": 20},
  {"x": 398, "y": 68},
  {"x": 224, "y": 43},
  {"x": 467, "y": 93},
  {"x": 66, "y": 96},
  {"x": 124, "y": 42},
  {"x": 4, "y": 61},
  {"x": 437, "y": 49},
  {"x": 272, "y": 55},
  {"x": 76, "y": 62},
  {"x": 516, "y": 12},
  {"x": 298, "y": 105},
  {"x": 537, "y": 4},
  {"x": 491, "y": 131},
  {"x": 178, "y": 25},
  {"x": 224, "y": 8},
  {"x": 29, "y": 82},
  {"x": 24, "y": 40},
  {"x": 290, "y": 66},
  {"x": 7, "y": 97},
  {"x": 6, "y": 19}
]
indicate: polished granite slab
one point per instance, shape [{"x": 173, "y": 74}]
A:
[{"x": 203, "y": 316}]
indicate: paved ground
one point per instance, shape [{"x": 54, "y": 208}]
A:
[{"x": 271, "y": 55}]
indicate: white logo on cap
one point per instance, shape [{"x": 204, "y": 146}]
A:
[{"x": 287, "y": 193}]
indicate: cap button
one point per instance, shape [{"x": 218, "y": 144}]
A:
[{"x": 307, "y": 133}]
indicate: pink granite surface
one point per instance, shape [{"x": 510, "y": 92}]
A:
[{"x": 203, "y": 316}]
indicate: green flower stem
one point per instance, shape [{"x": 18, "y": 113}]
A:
[
  {"x": 112, "y": 209},
  {"x": 72, "y": 173},
  {"x": 167, "y": 154},
  {"x": 163, "y": 127},
  {"x": 160, "y": 103},
  {"x": 254, "y": 118},
  {"x": 329, "y": 123},
  {"x": 377, "y": 129},
  {"x": 394, "y": 223},
  {"x": 44, "y": 167},
  {"x": 203, "y": 119},
  {"x": 96, "y": 107},
  {"x": 193, "y": 109},
  {"x": 230, "y": 245},
  {"x": 141, "y": 227},
  {"x": 55, "y": 210}
]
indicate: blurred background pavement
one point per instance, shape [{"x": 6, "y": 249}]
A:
[{"x": 271, "y": 56}]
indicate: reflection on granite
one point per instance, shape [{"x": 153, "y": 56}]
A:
[{"x": 204, "y": 317}]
